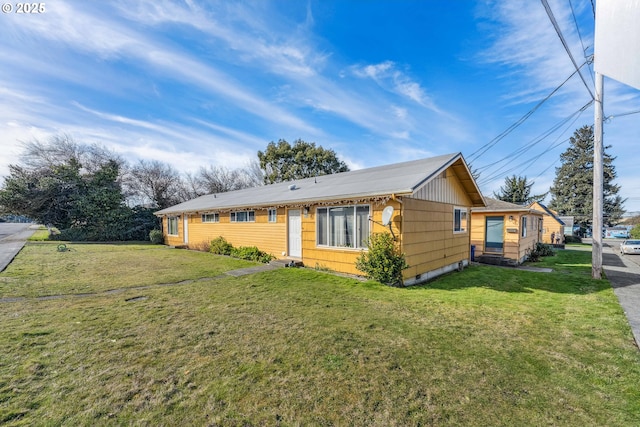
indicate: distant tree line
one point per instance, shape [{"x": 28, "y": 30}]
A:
[{"x": 90, "y": 193}]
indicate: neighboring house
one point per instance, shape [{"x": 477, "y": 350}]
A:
[
  {"x": 568, "y": 224},
  {"x": 325, "y": 221},
  {"x": 504, "y": 232},
  {"x": 552, "y": 225}
]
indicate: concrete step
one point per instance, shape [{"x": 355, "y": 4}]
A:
[{"x": 286, "y": 263}]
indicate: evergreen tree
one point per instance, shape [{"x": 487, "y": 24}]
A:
[
  {"x": 572, "y": 190},
  {"x": 517, "y": 190},
  {"x": 284, "y": 162}
]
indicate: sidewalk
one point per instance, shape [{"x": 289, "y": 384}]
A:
[
  {"x": 624, "y": 274},
  {"x": 12, "y": 244}
]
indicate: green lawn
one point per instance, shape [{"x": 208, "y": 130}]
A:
[{"x": 488, "y": 346}]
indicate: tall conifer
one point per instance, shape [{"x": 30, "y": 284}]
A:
[{"x": 572, "y": 190}]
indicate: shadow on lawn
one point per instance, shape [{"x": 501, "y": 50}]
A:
[{"x": 569, "y": 276}]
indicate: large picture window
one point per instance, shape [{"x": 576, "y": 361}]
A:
[
  {"x": 172, "y": 225},
  {"x": 459, "y": 220},
  {"x": 343, "y": 226},
  {"x": 243, "y": 216}
]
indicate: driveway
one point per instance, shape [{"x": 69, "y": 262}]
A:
[
  {"x": 13, "y": 236},
  {"x": 623, "y": 271}
]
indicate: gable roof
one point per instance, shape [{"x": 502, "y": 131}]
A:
[
  {"x": 395, "y": 179},
  {"x": 548, "y": 212},
  {"x": 496, "y": 205}
]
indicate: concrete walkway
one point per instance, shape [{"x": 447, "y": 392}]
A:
[
  {"x": 623, "y": 271},
  {"x": 13, "y": 237}
]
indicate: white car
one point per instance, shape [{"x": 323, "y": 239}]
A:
[{"x": 630, "y": 247}]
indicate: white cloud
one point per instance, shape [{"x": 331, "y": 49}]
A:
[{"x": 387, "y": 75}]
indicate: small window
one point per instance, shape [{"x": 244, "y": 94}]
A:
[
  {"x": 524, "y": 226},
  {"x": 172, "y": 226},
  {"x": 211, "y": 217},
  {"x": 273, "y": 215},
  {"x": 459, "y": 220},
  {"x": 243, "y": 216}
]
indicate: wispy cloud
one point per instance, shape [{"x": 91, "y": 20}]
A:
[{"x": 387, "y": 75}]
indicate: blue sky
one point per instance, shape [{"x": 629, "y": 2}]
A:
[{"x": 196, "y": 83}]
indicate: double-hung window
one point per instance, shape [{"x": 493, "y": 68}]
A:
[
  {"x": 343, "y": 226},
  {"x": 172, "y": 225},
  {"x": 273, "y": 215},
  {"x": 459, "y": 220},
  {"x": 243, "y": 216},
  {"x": 211, "y": 217}
]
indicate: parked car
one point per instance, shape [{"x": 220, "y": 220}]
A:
[{"x": 630, "y": 247}]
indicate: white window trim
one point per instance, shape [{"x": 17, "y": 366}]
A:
[
  {"x": 465, "y": 228},
  {"x": 275, "y": 215},
  {"x": 215, "y": 215},
  {"x": 357, "y": 238},
  {"x": 169, "y": 219},
  {"x": 233, "y": 216},
  {"x": 523, "y": 222}
]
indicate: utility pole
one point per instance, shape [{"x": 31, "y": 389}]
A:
[{"x": 598, "y": 184}]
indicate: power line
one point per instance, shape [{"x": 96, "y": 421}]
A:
[
  {"x": 552, "y": 18},
  {"x": 512, "y": 156},
  {"x": 480, "y": 151},
  {"x": 613, "y": 116},
  {"x": 520, "y": 151},
  {"x": 584, "y": 49}
]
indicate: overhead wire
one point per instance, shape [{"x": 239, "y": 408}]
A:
[
  {"x": 480, "y": 151},
  {"x": 552, "y": 18},
  {"x": 519, "y": 152},
  {"x": 501, "y": 171},
  {"x": 584, "y": 49}
]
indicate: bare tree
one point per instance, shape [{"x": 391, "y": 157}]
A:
[
  {"x": 60, "y": 149},
  {"x": 156, "y": 183},
  {"x": 218, "y": 179}
]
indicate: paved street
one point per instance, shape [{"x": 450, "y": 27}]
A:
[
  {"x": 623, "y": 271},
  {"x": 12, "y": 238}
]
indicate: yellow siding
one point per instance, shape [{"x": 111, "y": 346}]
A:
[
  {"x": 445, "y": 188},
  {"x": 341, "y": 259},
  {"x": 550, "y": 225},
  {"x": 423, "y": 229},
  {"x": 267, "y": 236},
  {"x": 428, "y": 241},
  {"x": 515, "y": 246}
]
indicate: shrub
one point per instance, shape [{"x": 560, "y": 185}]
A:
[
  {"x": 539, "y": 251},
  {"x": 572, "y": 239},
  {"x": 220, "y": 246},
  {"x": 383, "y": 261},
  {"x": 251, "y": 253},
  {"x": 156, "y": 237}
]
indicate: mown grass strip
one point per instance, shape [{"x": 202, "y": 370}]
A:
[
  {"x": 488, "y": 346},
  {"x": 42, "y": 269}
]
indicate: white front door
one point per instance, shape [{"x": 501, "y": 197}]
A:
[
  {"x": 185, "y": 229},
  {"x": 295, "y": 233}
]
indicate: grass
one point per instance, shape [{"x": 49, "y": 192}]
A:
[
  {"x": 488, "y": 346},
  {"x": 40, "y": 235},
  {"x": 41, "y": 269}
]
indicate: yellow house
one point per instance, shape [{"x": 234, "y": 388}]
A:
[
  {"x": 504, "y": 232},
  {"x": 325, "y": 221},
  {"x": 552, "y": 225}
]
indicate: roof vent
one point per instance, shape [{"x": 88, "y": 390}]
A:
[{"x": 292, "y": 187}]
